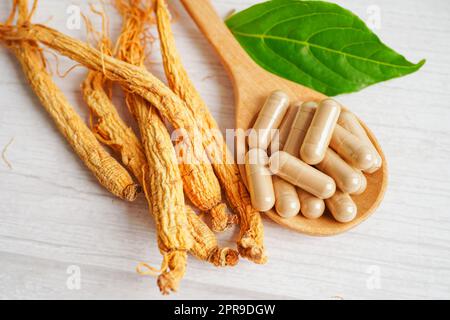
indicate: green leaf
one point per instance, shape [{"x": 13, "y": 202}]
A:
[{"x": 317, "y": 44}]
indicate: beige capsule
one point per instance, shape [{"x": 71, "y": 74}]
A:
[
  {"x": 342, "y": 207},
  {"x": 259, "y": 179},
  {"x": 299, "y": 128},
  {"x": 269, "y": 118},
  {"x": 351, "y": 149},
  {"x": 287, "y": 203},
  {"x": 311, "y": 206},
  {"x": 347, "y": 178},
  {"x": 302, "y": 175},
  {"x": 349, "y": 122},
  {"x": 320, "y": 131},
  {"x": 280, "y": 137},
  {"x": 363, "y": 186}
]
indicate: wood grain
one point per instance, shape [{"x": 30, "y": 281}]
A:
[{"x": 54, "y": 215}]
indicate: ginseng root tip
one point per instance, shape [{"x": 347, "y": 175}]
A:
[
  {"x": 230, "y": 256},
  {"x": 167, "y": 283},
  {"x": 130, "y": 192},
  {"x": 250, "y": 250},
  {"x": 224, "y": 257},
  {"x": 220, "y": 218}
]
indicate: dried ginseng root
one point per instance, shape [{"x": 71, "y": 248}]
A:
[
  {"x": 163, "y": 169},
  {"x": 143, "y": 83},
  {"x": 205, "y": 245},
  {"x": 109, "y": 127},
  {"x": 106, "y": 169},
  {"x": 166, "y": 195},
  {"x": 138, "y": 80},
  {"x": 200, "y": 183},
  {"x": 250, "y": 243},
  {"x": 113, "y": 131},
  {"x": 135, "y": 78},
  {"x": 127, "y": 144},
  {"x": 204, "y": 248}
]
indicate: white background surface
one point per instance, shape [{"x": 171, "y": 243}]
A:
[{"x": 53, "y": 214}]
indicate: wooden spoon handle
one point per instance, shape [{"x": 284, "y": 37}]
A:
[{"x": 233, "y": 57}]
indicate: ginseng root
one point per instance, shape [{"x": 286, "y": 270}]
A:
[
  {"x": 220, "y": 220},
  {"x": 113, "y": 131},
  {"x": 105, "y": 168},
  {"x": 127, "y": 144},
  {"x": 250, "y": 243},
  {"x": 140, "y": 81},
  {"x": 109, "y": 127},
  {"x": 166, "y": 196},
  {"x": 200, "y": 183},
  {"x": 205, "y": 245},
  {"x": 163, "y": 174}
]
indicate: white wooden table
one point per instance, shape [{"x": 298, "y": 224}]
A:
[{"x": 55, "y": 220}]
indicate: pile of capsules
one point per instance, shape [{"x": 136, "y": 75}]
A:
[{"x": 319, "y": 155}]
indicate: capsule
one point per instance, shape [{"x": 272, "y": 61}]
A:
[
  {"x": 299, "y": 128},
  {"x": 351, "y": 149},
  {"x": 311, "y": 206},
  {"x": 302, "y": 175},
  {"x": 280, "y": 137},
  {"x": 287, "y": 203},
  {"x": 320, "y": 131},
  {"x": 342, "y": 207},
  {"x": 269, "y": 118},
  {"x": 363, "y": 186},
  {"x": 349, "y": 122},
  {"x": 347, "y": 179},
  {"x": 259, "y": 179}
]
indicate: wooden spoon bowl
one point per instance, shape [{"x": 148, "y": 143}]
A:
[{"x": 252, "y": 85}]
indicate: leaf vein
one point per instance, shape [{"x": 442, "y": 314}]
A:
[
  {"x": 262, "y": 36},
  {"x": 330, "y": 28},
  {"x": 356, "y": 44},
  {"x": 360, "y": 70},
  {"x": 327, "y": 67},
  {"x": 298, "y": 67},
  {"x": 304, "y": 16}
]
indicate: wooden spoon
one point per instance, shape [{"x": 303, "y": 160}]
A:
[{"x": 252, "y": 85}]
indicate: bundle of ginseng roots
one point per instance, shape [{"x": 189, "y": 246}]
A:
[{"x": 196, "y": 165}]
